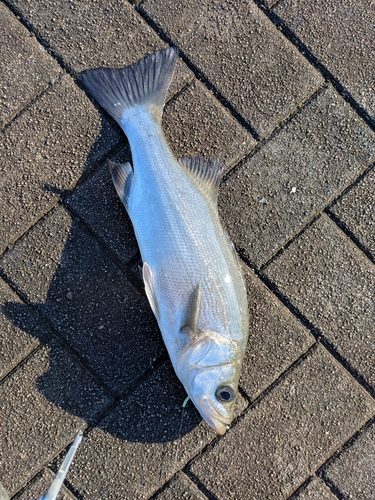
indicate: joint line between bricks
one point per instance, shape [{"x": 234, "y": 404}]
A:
[
  {"x": 319, "y": 66},
  {"x": 32, "y": 101},
  {"x": 317, "y": 334},
  {"x": 60, "y": 199},
  {"x": 350, "y": 236},
  {"x": 34, "y": 31},
  {"x": 282, "y": 124},
  {"x": 320, "y": 471},
  {"x": 199, "y": 75},
  {"x": 314, "y": 217},
  {"x": 52, "y": 333},
  {"x": 255, "y": 402}
]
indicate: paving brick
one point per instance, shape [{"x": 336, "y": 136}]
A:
[
  {"x": 341, "y": 35},
  {"x": 132, "y": 452},
  {"x": 20, "y": 329},
  {"x": 40, "y": 485},
  {"x": 295, "y": 175},
  {"x": 181, "y": 487},
  {"x": 45, "y": 151},
  {"x": 293, "y": 429},
  {"x": 98, "y": 205},
  {"x": 63, "y": 271},
  {"x": 28, "y": 67},
  {"x": 332, "y": 283},
  {"x": 356, "y": 210},
  {"x": 44, "y": 403},
  {"x": 353, "y": 471},
  {"x": 315, "y": 490},
  {"x": 88, "y": 34},
  {"x": 237, "y": 48},
  {"x": 276, "y": 338},
  {"x": 197, "y": 125}
]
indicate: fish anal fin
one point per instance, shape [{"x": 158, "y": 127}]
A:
[
  {"x": 150, "y": 289},
  {"x": 206, "y": 173},
  {"x": 122, "y": 175},
  {"x": 191, "y": 312}
]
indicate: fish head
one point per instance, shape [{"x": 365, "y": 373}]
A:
[{"x": 209, "y": 368}]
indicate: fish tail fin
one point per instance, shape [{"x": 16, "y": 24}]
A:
[{"x": 144, "y": 83}]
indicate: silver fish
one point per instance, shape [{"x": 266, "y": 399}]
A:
[{"x": 190, "y": 268}]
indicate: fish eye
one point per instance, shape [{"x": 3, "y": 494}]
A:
[{"x": 225, "y": 394}]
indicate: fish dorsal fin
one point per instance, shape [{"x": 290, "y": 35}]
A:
[
  {"x": 207, "y": 174},
  {"x": 191, "y": 312},
  {"x": 122, "y": 175},
  {"x": 150, "y": 289}
]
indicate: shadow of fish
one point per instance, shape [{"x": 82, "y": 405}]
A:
[{"x": 191, "y": 272}]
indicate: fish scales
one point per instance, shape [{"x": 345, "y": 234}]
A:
[{"x": 191, "y": 272}]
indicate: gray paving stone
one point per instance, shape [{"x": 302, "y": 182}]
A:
[
  {"x": 26, "y": 68},
  {"x": 88, "y": 34},
  {"x": 98, "y": 205},
  {"x": 181, "y": 487},
  {"x": 314, "y": 490},
  {"x": 44, "y": 403},
  {"x": 285, "y": 437},
  {"x": 276, "y": 338},
  {"x": 353, "y": 471},
  {"x": 356, "y": 210},
  {"x": 196, "y": 124},
  {"x": 45, "y": 151},
  {"x": 132, "y": 452},
  {"x": 341, "y": 35},
  {"x": 64, "y": 272},
  {"x": 332, "y": 283},
  {"x": 40, "y": 485},
  {"x": 238, "y": 49},
  {"x": 20, "y": 329},
  {"x": 295, "y": 175}
]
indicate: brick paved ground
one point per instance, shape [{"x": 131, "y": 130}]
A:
[{"x": 283, "y": 92}]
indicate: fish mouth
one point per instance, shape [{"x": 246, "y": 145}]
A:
[{"x": 218, "y": 422}]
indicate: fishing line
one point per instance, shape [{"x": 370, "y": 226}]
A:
[{"x": 180, "y": 431}]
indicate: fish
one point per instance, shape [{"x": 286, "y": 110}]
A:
[{"x": 191, "y": 270}]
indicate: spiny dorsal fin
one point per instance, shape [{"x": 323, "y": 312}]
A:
[
  {"x": 207, "y": 174},
  {"x": 191, "y": 312},
  {"x": 122, "y": 175},
  {"x": 144, "y": 83},
  {"x": 150, "y": 289}
]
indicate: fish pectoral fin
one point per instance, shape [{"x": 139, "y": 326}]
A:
[
  {"x": 191, "y": 312},
  {"x": 122, "y": 175},
  {"x": 150, "y": 289},
  {"x": 207, "y": 174}
]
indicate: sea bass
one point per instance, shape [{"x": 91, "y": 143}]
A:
[{"x": 190, "y": 268}]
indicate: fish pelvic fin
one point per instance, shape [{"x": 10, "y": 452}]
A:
[
  {"x": 122, "y": 175},
  {"x": 191, "y": 312},
  {"x": 207, "y": 174},
  {"x": 144, "y": 83},
  {"x": 150, "y": 289}
]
